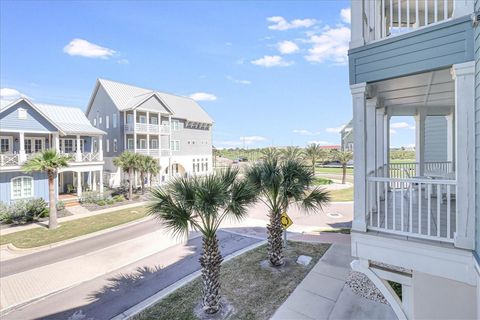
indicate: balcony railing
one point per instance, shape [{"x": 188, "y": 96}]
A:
[
  {"x": 153, "y": 152},
  {"x": 7, "y": 160},
  {"x": 90, "y": 156},
  {"x": 146, "y": 128}
]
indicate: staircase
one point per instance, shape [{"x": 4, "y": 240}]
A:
[{"x": 70, "y": 200}]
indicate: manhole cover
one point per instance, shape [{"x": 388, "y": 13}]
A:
[{"x": 335, "y": 215}]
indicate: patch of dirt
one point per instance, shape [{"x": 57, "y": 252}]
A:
[{"x": 225, "y": 311}]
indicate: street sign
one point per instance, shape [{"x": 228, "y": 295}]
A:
[{"x": 286, "y": 221}]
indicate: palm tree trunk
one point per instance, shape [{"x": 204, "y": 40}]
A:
[
  {"x": 52, "y": 215},
  {"x": 344, "y": 176},
  {"x": 275, "y": 245},
  {"x": 211, "y": 261},
  {"x": 142, "y": 177},
  {"x": 130, "y": 184},
  {"x": 314, "y": 162}
]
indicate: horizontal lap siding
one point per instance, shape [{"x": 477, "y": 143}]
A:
[
  {"x": 40, "y": 185},
  {"x": 34, "y": 122},
  {"x": 435, "y": 138},
  {"x": 418, "y": 51}
]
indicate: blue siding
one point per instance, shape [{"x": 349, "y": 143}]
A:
[
  {"x": 34, "y": 121},
  {"x": 40, "y": 184},
  {"x": 418, "y": 51}
]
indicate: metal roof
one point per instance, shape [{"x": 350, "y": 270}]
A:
[{"x": 126, "y": 96}]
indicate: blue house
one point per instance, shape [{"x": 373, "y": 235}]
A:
[{"x": 28, "y": 128}]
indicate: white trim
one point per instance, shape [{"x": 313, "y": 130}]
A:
[
  {"x": 107, "y": 145},
  {"x": 10, "y": 143},
  {"x": 12, "y": 197},
  {"x": 107, "y": 122},
  {"x": 28, "y": 131},
  {"x": 114, "y": 120}
]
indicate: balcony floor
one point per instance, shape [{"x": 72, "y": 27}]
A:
[{"x": 392, "y": 220}]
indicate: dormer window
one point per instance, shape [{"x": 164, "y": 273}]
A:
[{"x": 22, "y": 113}]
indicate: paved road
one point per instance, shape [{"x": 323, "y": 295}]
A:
[
  {"x": 112, "y": 294},
  {"x": 78, "y": 248}
]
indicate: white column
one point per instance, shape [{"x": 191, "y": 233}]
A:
[
  {"x": 450, "y": 139},
  {"x": 370, "y": 124},
  {"x": 462, "y": 8},
  {"x": 56, "y": 138},
  {"x": 464, "y": 76},
  {"x": 125, "y": 142},
  {"x": 159, "y": 115},
  {"x": 89, "y": 180},
  {"x": 359, "y": 156},
  {"x": 357, "y": 36},
  {"x": 100, "y": 178},
  {"x": 79, "y": 184},
  {"x": 135, "y": 130},
  {"x": 100, "y": 148},
  {"x": 420, "y": 140},
  {"x": 78, "y": 155},
  {"x": 380, "y": 136},
  {"x": 94, "y": 178},
  {"x": 386, "y": 143},
  {"x": 170, "y": 146},
  {"x": 23, "y": 156}
]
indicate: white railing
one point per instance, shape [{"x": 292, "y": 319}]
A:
[
  {"x": 90, "y": 156},
  {"x": 421, "y": 208},
  {"x": 153, "y": 152},
  {"x": 165, "y": 129},
  {"x": 410, "y": 169},
  {"x": 164, "y": 152},
  {"x": 153, "y": 128},
  {"x": 146, "y": 127},
  {"x": 7, "y": 160}
]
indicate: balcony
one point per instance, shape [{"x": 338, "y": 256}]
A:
[
  {"x": 152, "y": 152},
  {"x": 147, "y": 128},
  {"x": 16, "y": 159}
]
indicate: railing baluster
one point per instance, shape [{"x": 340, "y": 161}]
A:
[
  {"x": 445, "y": 9},
  {"x": 391, "y": 16},
  {"x": 439, "y": 198},
  {"x": 408, "y": 14},
  {"x": 410, "y": 200},
  {"x": 370, "y": 204},
  {"x": 394, "y": 220},
  {"x": 448, "y": 211},
  {"x": 378, "y": 203},
  {"x": 426, "y": 12},
  {"x": 386, "y": 206},
  {"x": 435, "y": 10},
  {"x": 384, "y": 16},
  {"x": 419, "y": 208},
  {"x": 401, "y": 205},
  {"x": 417, "y": 21},
  {"x": 399, "y": 14},
  {"x": 429, "y": 209}
]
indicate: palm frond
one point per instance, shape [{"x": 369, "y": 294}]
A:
[{"x": 315, "y": 200}]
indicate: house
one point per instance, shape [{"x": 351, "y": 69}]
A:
[
  {"x": 417, "y": 224},
  {"x": 27, "y": 128},
  {"x": 346, "y": 135},
  {"x": 174, "y": 130}
]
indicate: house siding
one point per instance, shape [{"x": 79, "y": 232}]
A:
[
  {"x": 435, "y": 138},
  {"x": 200, "y": 140},
  {"x": 418, "y": 51},
  {"x": 477, "y": 130},
  {"x": 34, "y": 121},
  {"x": 40, "y": 185}
]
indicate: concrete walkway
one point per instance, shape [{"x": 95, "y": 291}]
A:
[{"x": 323, "y": 293}]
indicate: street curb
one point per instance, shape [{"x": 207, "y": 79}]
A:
[
  {"x": 22, "y": 252},
  {"x": 136, "y": 309}
]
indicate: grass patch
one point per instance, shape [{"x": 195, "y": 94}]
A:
[
  {"x": 320, "y": 181},
  {"x": 339, "y": 230},
  {"x": 397, "y": 287},
  {"x": 341, "y": 194},
  {"x": 333, "y": 170},
  {"x": 254, "y": 292},
  {"x": 40, "y": 236}
]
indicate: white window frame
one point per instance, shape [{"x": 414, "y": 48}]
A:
[
  {"x": 94, "y": 122},
  {"x": 142, "y": 118},
  {"x": 108, "y": 145},
  {"x": 152, "y": 146},
  {"x": 10, "y": 143},
  {"x": 175, "y": 125},
  {"x": 153, "y": 122},
  {"x": 115, "y": 145},
  {"x": 32, "y": 142},
  {"x": 22, "y": 113},
  {"x": 132, "y": 144},
  {"x": 130, "y": 118},
  {"x": 100, "y": 121},
  {"x": 175, "y": 145},
  {"x": 114, "y": 120},
  {"x": 22, "y": 191},
  {"x": 140, "y": 143},
  {"x": 107, "y": 122}
]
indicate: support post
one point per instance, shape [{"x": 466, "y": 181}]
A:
[
  {"x": 359, "y": 108},
  {"x": 78, "y": 153},
  {"x": 23, "y": 156},
  {"x": 135, "y": 130},
  {"x": 464, "y": 77},
  {"x": 56, "y": 137},
  {"x": 420, "y": 140},
  {"x": 450, "y": 141},
  {"x": 94, "y": 178},
  {"x": 100, "y": 178},
  {"x": 386, "y": 144},
  {"x": 79, "y": 184},
  {"x": 100, "y": 148},
  {"x": 357, "y": 12}
]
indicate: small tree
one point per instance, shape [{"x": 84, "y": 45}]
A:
[
  {"x": 281, "y": 184},
  {"x": 128, "y": 162},
  {"x": 292, "y": 153},
  {"x": 50, "y": 162},
  {"x": 344, "y": 157},
  {"x": 147, "y": 166},
  {"x": 202, "y": 203},
  {"x": 315, "y": 153}
]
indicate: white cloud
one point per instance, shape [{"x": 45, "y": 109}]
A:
[
  {"x": 253, "y": 138},
  {"x": 320, "y": 142},
  {"x": 272, "y": 61},
  {"x": 331, "y": 45},
  {"x": 287, "y": 47},
  {"x": 335, "y": 130},
  {"x": 281, "y": 24},
  {"x": 203, "y": 96},
  {"x": 228, "y": 44},
  {"x": 123, "y": 61},
  {"x": 83, "y": 48},
  {"x": 9, "y": 93},
  {"x": 304, "y": 132},
  {"x": 399, "y": 125},
  {"x": 393, "y": 131},
  {"x": 346, "y": 15},
  {"x": 232, "y": 79},
  {"x": 246, "y": 140}
]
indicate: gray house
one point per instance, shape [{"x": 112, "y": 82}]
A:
[
  {"x": 347, "y": 137},
  {"x": 174, "y": 130},
  {"x": 418, "y": 228}
]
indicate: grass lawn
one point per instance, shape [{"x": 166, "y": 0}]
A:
[
  {"x": 254, "y": 292},
  {"x": 333, "y": 170},
  {"x": 321, "y": 181},
  {"x": 342, "y": 195},
  {"x": 42, "y": 236}
]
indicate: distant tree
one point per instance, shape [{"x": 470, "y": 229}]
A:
[
  {"x": 129, "y": 163},
  {"x": 292, "y": 153},
  {"x": 148, "y": 167},
  {"x": 48, "y": 161},
  {"x": 270, "y": 152},
  {"x": 314, "y": 153},
  {"x": 344, "y": 157}
]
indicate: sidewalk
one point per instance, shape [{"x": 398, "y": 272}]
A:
[
  {"x": 323, "y": 293},
  {"x": 8, "y": 230}
]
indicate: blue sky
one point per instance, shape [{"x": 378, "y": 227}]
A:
[{"x": 274, "y": 73}]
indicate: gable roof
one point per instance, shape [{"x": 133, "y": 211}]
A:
[
  {"x": 128, "y": 97},
  {"x": 68, "y": 120}
]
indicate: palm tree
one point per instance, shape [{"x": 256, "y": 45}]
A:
[
  {"x": 270, "y": 152},
  {"x": 146, "y": 165},
  {"x": 281, "y": 184},
  {"x": 343, "y": 157},
  {"x": 151, "y": 167},
  {"x": 202, "y": 203},
  {"x": 128, "y": 162},
  {"x": 48, "y": 161},
  {"x": 314, "y": 153},
  {"x": 292, "y": 153}
]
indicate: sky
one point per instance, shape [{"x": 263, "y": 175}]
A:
[{"x": 269, "y": 73}]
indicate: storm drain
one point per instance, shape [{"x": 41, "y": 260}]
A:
[{"x": 334, "y": 215}]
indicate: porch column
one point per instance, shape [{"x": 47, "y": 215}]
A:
[
  {"x": 464, "y": 77},
  {"x": 100, "y": 178},
  {"x": 380, "y": 128},
  {"x": 100, "y": 148},
  {"x": 89, "y": 180},
  {"x": 56, "y": 138},
  {"x": 135, "y": 130},
  {"x": 370, "y": 159},
  {"x": 359, "y": 156},
  {"x": 23, "y": 156},
  {"x": 420, "y": 141},
  {"x": 94, "y": 182},
  {"x": 79, "y": 184},
  {"x": 357, "y": 38},
  {"x": 462, "y": 8},
  {"x": 170, "y": 146},
  {"x": 125, "y": 142},
  {"x": 450, "y": 141},
  {"x": 386, "y": 144},
  {"x": 78, "y": 157}
]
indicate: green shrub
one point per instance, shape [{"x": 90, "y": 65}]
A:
[
  {"x": 101, "y": 203},
  {"x": 60, "y": 205},
  {"x": 23, "y": 211},
  {"x": 110, "y": 201},
  {"x": 119, "y": 198}
]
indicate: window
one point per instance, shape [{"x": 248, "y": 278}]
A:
[
  {"x": 22, "y": 187},
  {"x": 5, "y": 144},
  {"x": 114, "y": 145},
  {"x": 142, "y": 119},
  {"x": 153, "y": 120},
  {"x": 22, "y": 113},
  {"x": 129, "y": 118},
  {"x": 108, "y": 145},
  {"x": 107, "y": 122},
  {"x": 99, "y": 121},
  {"x": 38, "y": 145},
  {"x": 68, "y": 146},
  {"x": 143, "y": 144},
  {"x": 193, "y": 166},
  {"x": 206, "y": 166},
  {"x": 114, "y": 120},
  {"x": 175, "y": 145},
  {"x": 130, "y": 145},
  {"x": 28, "y": 145},
  {"x": 175, "y": 125},
  {"x": 94, "y": 122},
  {"x": 154, "y": 143}
]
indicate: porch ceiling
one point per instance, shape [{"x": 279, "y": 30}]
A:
[{"x": 433, "y": 90}]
